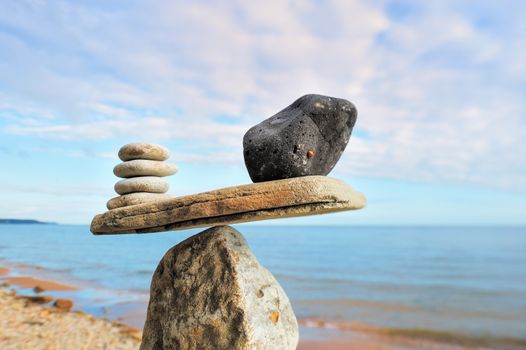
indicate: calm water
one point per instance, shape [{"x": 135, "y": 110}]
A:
[{"x": 468, "y": 280}]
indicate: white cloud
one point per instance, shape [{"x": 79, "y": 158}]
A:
[{"x": 440, "y": 97}]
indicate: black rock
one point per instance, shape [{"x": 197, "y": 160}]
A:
[{"x": 306, "y": 138}]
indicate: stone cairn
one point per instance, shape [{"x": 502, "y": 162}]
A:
[
  {"x": 209, "y": 291},
  {"x": 143, "y": 169}
]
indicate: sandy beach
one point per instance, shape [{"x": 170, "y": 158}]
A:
[{"x": 42, "y": 322}]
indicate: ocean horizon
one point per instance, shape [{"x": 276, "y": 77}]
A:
[{"x": 437, "y": 281}]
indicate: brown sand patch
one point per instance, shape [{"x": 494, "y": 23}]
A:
[
  {"x": 32, "y": 282},
  {"x": 4, "y": 270}
]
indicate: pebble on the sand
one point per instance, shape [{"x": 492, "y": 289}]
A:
[
  {"x": 150, "y": 184},
  {"x": 135, "y": 198},
  {"x": 306, "y": 138},
  {"x": 149, "y": 151},
  {"x": 142, "y": 167},
  {"x": 63, "y": 304}
]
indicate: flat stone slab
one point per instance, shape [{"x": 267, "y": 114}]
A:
[{"x": 300, "y": 196}]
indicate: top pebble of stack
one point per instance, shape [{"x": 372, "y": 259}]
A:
[{"x": 147, "y": 151}]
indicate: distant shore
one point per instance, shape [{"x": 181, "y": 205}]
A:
[
  {"x": 24, "y": 222},
  {"x": 27, "y": 316}
]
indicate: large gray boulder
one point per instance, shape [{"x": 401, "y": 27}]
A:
[{"x": 210, "y": 292}]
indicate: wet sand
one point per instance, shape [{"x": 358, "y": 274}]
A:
[{"x": 42, "y": 284}]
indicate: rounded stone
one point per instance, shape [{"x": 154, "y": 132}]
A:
[
  {"x": 138, "y": 150},
  {"x": 142, "y": 167},
  {"x": 151, "y": 184},
  {"x": 209, "y": 292},
  {"x": 135, "y": 198}
]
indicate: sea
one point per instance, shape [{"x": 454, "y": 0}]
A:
[{"x": 450, "y": 282}]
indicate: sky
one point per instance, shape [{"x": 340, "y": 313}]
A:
[{"x": 440, "y": 88}]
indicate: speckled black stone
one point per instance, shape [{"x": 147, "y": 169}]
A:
[{"x": 278, "y": 147}]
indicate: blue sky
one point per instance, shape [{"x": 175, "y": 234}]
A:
[{"x": 440, "y": 89}]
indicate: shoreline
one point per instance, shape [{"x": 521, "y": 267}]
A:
[
  {"x": 31, "y": 322},
  {"x": 31, "y": 280},
  {"x": 32, "y": 284}
]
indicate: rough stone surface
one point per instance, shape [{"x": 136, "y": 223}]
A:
[
  {"x": 309, "y": 195},
  {"x": 142, "y": 167},
  {"x": 149, "y": 151},
  {"x": 210, "y": 292},
  {"x": 136, "y": 198},
  {"x": 306, "y": 138},
  {"x": 150, "y": 184}
]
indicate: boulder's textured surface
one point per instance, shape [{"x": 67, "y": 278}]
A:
[
  {"x": 309, "y": 195},
  {"x": 210, "y": 292},
  {"x": 306, "y": 138},
  {"x": 143, "y": 151},
  {"x": 135, "y": 198},
  {"x": 150, "y": 184},
  {"x": 142, "y": 167}
]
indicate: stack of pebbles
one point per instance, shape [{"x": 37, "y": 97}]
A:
[{"x": 143, "y": 169}]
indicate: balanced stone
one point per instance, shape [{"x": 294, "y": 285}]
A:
[
  {"x": 306, "y": 138},
  {"x": 210, "y": 292},
  {"x": 135, "y": 198},
  {"x": 150, "y": 184},
  {"x": 299, "y": 196},
  {"x": 141, "y": 167},
  {"x": 149, "y": 151}
]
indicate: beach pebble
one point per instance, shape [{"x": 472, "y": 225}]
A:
[
  {"x": 306, "y": 138},
  {"x": 141, "y": 167},
  {"x": 63, "y": 304},
  {"x": 149, "y": 151},
  {"x": 210, "y": 292},
  {"x": 150, "y": 184},
  {"x": 135, "y": 198}
]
